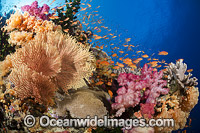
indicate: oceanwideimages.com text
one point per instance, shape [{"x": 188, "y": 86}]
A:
[{"x": 46, "y": 121}]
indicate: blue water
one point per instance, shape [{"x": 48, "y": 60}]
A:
[{"x": 170, "y": 25}]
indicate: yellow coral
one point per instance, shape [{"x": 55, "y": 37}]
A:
[
  {"x": 191, "y": 99},
  {"x": 182, "y": 105},
  {"x": 20, "y": 38},
  {"x": 27, "y": 25}
]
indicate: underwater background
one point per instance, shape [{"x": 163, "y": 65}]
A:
[{"x": 170, "y": 25}]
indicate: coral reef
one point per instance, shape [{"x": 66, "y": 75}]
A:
[
  {"x": 129, "y": 95},
  {"x": 38, "y": 12},
  {"x": 57, "y": 61},
  {"x": 177, "y": 107}
]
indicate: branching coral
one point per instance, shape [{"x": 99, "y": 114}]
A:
[
  {"x": 129, "y": 95},
  {"x": 176, "y": 74},
  {"x": 38, "y": 12}
]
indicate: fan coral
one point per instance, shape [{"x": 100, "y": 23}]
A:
[
  {"x": 38, "y": 56},
  {"x": 58, "y": 57},
  {"x": 31, "y": 84},
  {"x": 76, "y": 60},
  {"x": 38, "y": 12},
  {"x": 129, "y": 95}
]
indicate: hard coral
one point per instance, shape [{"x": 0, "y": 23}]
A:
[
  {"x": 129, "y": 95},
  {"x": 176, "y": 73},
  {"x": 38, "y": 12}
]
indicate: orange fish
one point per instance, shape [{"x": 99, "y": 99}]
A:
[
  {"x": 109, "y": 83},
  {"x": 45, "y": 12},
  {"x": 99, "y": 83},
  {"x": 114, "y": 55},
  {"x": 128, "y": 39},
  {"x": 116, "y": 67},
  {"x": 163, "y": 53},
  {"x": 105, "y": 63},
  {"x": 110, "y": 93},
  {"x": 66, "y": 30},
  {"x": 114, "y": 36},
  {"x": 121, "y": 52},
  {"x": 89, "y": 5},
  {"x": 64, "y": 11},
  {"x": 159, "y": 66},
  {"x": 190, "y": 70},
  {"x": 138, "y": 114},
  {"x": 97, "y": 37},
  {"x": 113, "y": 74},
  {"x": 120, "y": 64},
  {"x": 83, "y": 9},
  {"x": 60, "y": 7},
  {"x": 112, "y": 62},
  {"x": 145, "y": 56},
  {"x": 97, "y": 46},
  {"x": 133, "y": 66}
]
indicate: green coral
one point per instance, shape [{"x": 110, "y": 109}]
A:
[{"x": 5, "y": 47}]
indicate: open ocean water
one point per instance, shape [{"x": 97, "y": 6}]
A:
[{"x": 170, "y": 25}]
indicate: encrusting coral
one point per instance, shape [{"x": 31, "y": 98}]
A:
[{"x": 82, "y": 103}]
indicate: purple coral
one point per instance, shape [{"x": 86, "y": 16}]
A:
[
  {"x": 39, "y": 12},
  {"x": 129, "y": 95}
]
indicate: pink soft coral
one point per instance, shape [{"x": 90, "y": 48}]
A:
[
  {"x": 129, "y": 95},
  {"x": 39, "y": 12}
]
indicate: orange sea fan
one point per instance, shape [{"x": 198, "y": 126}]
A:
[
  {"x": 76, "y": 60},
  {"x": 32, "y": 84},
  {"x": 39, "y": 57}
]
